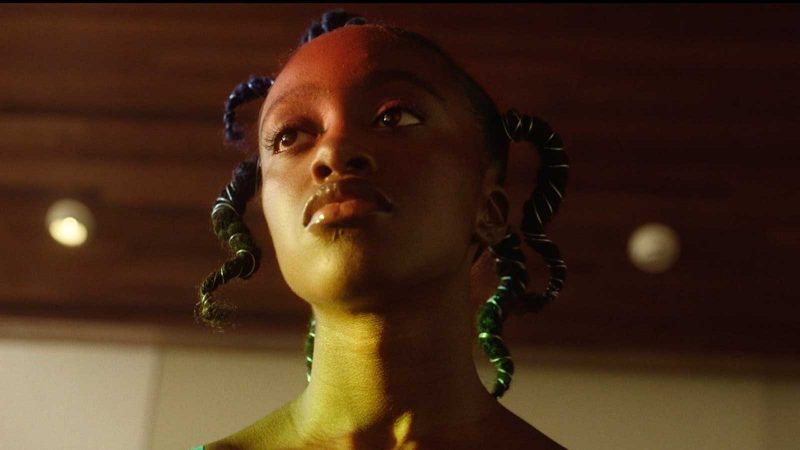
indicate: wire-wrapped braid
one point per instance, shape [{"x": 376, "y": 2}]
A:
[
  {"x": 544, "y": 202},
  {"x": 538, "y": 210},
  {"x": 226, "y": 219}
]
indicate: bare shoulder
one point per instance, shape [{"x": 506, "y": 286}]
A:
[{"x": 269, "y": 432}]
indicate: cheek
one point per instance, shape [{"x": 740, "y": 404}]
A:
[
  {"x": 282, "y": 195},
  {"x": 452, "y": 173},
  {"x": 451, "y": 193},
  {"x": 282, "y": 216},
  {"x": 441, "y": 205}
]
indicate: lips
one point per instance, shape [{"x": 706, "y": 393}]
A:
[{"x": 343, "y": 190}]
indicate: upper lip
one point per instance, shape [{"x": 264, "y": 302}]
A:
[{"x": 351, "y": 188}]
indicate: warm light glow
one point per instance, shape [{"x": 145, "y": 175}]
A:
[
  {"x": 69, "y": 231},
  {"x": 69, "y": 222},
  {"x": 653, "y": 247}
]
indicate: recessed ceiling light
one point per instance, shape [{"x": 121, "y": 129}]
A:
[
  {"x": 654, "y": 247},
  {"x": 70, "y": 222}
]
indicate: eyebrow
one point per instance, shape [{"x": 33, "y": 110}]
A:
[{"x": 375, "y": 78}]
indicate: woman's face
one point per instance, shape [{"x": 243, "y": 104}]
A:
[{"x": 362, "y": 102}]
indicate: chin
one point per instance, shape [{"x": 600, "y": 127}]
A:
[{"x": 345, "y": 272}]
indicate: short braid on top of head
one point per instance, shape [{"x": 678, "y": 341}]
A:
[
  {"x": 228, "y": 211},
  {"x": 538, "y": 210},
  {"x": 255, "y": 87},
  {"x": 330, "y": 21}
]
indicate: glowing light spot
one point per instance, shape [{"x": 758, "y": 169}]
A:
[
  {"x": 654, "y": 247},
  {"x": 69, "y": 222},
  {"x": 69, "y": 231}
]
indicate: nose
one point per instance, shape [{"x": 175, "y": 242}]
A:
[{"x": 338, "y": 156}]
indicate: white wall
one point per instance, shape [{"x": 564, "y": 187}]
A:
[
  {"x": 65, "y": 395},
  {"x": 68, "y": 395},
  {"x": 602, "y": 409},
  {"x": 205, "y": 395}
]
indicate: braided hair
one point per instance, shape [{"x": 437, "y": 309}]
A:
[
  {"x": 227, "y": 214},
  {"x": 511, "y": 294}
]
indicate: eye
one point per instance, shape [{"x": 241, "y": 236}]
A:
[
  {"x": 397, "y": 117},
  {"x": 287, "y": 138}
]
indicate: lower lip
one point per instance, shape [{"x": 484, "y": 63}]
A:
[{"x": 340, "y": 212}]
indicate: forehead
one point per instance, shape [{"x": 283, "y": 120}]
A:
[{"x": 346, "y": 57}]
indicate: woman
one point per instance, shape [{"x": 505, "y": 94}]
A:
[{"x": 381, "y": 167}]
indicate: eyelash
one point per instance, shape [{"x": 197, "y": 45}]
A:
[
  {"x": 276, "y": 134},
  {"x": 401, "y": 106}
]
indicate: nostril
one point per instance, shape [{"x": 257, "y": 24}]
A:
[
  {"x": 359, "y": 163},
  {"x": 323, "y": 171}
]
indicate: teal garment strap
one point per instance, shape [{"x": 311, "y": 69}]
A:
[{"x": 199, "y": 447}]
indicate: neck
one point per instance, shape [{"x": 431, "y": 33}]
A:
[{"x": 394, "y": 373}]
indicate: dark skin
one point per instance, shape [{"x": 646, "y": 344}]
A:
[{"x": 393, "y": 364}]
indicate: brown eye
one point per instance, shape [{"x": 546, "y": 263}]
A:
[
  {"x": 390, "y": 118},
  {"x": 397, "y": 117},
  {"x": 288, "y": 138}
]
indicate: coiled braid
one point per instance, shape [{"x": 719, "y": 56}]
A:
[
  {"x": 538, "y": 210},
  {"x": 227, "y": 213}
]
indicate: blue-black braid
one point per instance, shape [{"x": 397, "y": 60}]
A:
[
  {"x": 255, "y": 87},
  {"x": 330, "y": 21}
]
